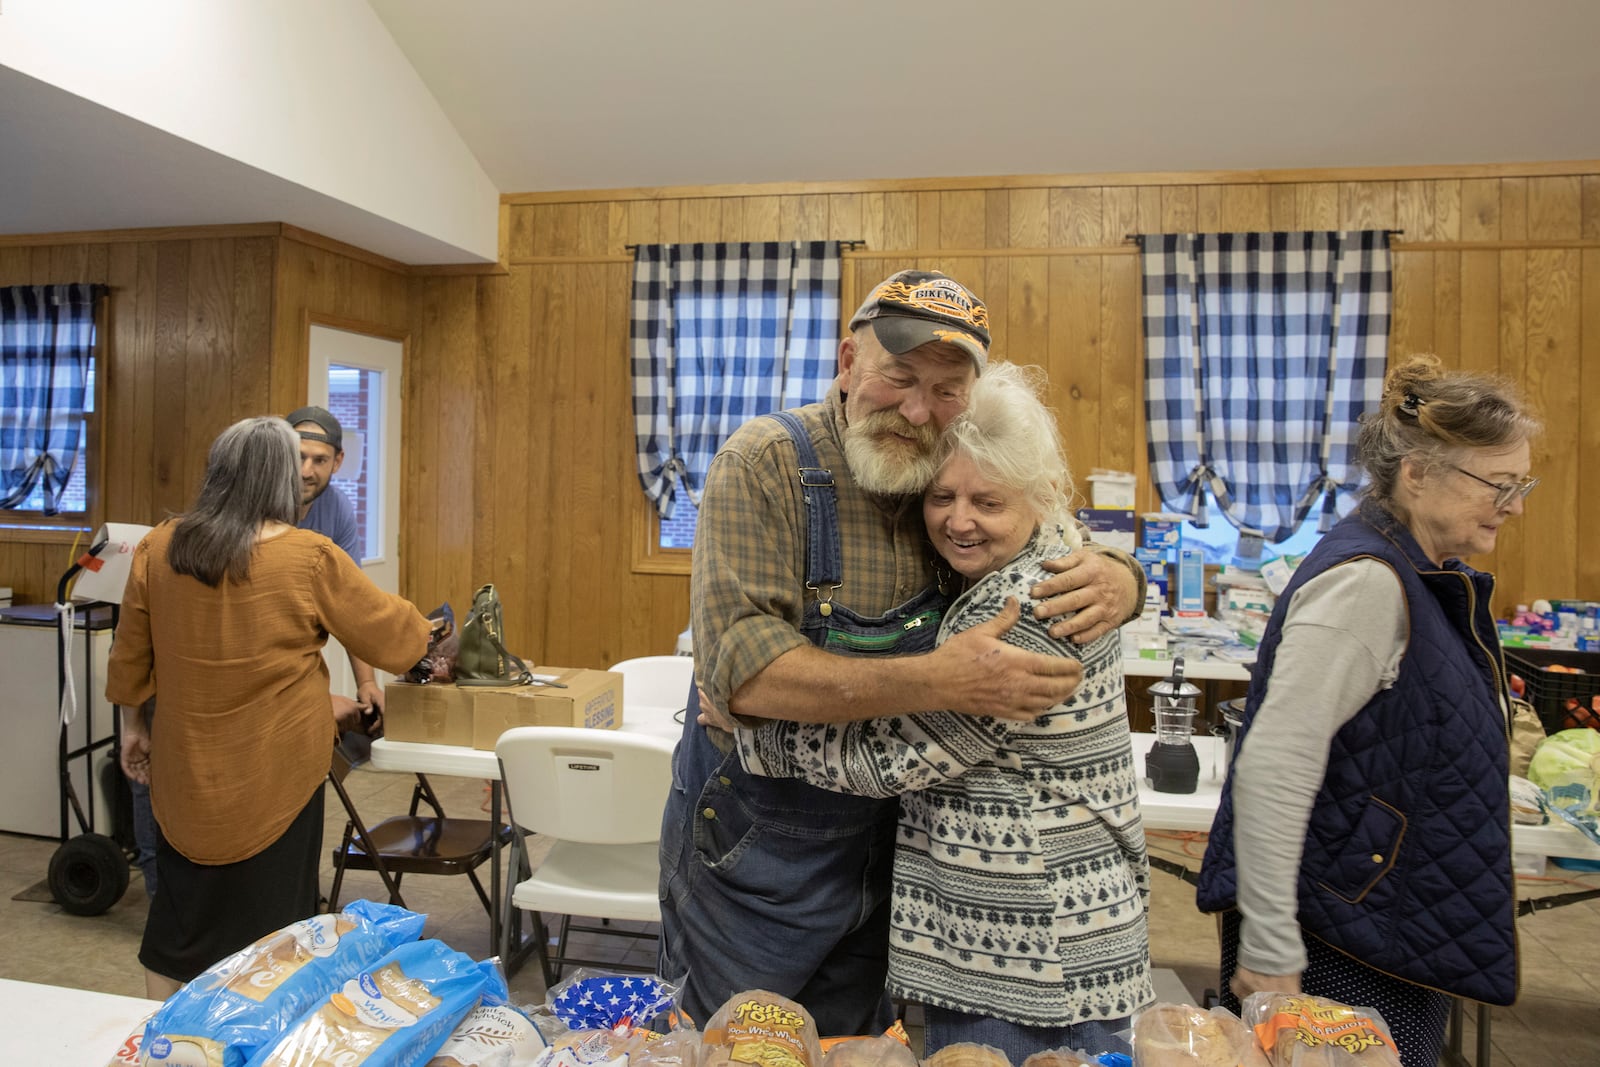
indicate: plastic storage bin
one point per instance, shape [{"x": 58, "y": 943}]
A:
[{"x": 1548, "y": 691}]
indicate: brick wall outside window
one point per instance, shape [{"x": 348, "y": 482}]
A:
[{"x": 348, "y": 399}]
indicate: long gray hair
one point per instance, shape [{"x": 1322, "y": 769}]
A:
[{"x": 252, "y": 477}]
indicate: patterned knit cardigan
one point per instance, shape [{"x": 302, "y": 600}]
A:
[{"x": 1020, "y": 878}]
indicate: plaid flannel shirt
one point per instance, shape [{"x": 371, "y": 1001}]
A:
[{"x": 748, "y": 586}]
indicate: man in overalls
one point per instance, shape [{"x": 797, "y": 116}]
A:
[{"x": 815, "y": 598}]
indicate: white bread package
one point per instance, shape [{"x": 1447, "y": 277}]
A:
[
  {"x": 759, "y": 1027},
  {"x": 492, "y": 1035},
  {"x": 398, "y": 1011},
  {"x": 250, "y": 998},
  {"x": 1182, "y": 1035}
]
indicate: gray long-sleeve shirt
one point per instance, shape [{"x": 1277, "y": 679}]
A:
[{"x": 1343, "y": 636}]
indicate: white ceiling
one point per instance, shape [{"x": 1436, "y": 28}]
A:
[
  {"x": 575, "y": 94},
  {"x": 600, "y": 94},
  {"x": 68, "y": 164}
]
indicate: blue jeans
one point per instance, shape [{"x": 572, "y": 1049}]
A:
[
  {"x": 945, "y": 1027},
  {"x": 773, "y": 884},
  {"x": 146, "y": 835},
  {"x": 770, "y": 883}
]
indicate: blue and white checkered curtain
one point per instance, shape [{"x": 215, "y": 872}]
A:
[
  {"x": 722, "y": 333},
  {"x": 1261, "y": 352},
  {"x": 46, "y": 345}
]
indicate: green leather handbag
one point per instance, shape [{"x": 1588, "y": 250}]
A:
[{"x": 483, "y": 659}]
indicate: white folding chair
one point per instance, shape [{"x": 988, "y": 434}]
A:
[
  {"x": 655, "y": 680},
  {"x": 599, "y": 794},
  {"x": 655, "y": 691}
]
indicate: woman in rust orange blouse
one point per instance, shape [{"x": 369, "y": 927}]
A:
[{"x": 226, "y": 611}]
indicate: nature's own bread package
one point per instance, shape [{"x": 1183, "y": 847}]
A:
[{"x": 1305, "y": 1031}]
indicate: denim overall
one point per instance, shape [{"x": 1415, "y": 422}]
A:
[{"x": 770, "y": 883}]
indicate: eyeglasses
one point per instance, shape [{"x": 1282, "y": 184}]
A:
[{"x": 1504, "y": 492}]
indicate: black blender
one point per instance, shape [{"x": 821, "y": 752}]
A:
[{"x": 1172, "y": 765}]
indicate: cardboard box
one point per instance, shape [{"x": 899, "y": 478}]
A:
[
  {"x": 1112, "y": 527},
  {"x": 1161, "y": 532},
  {"x": 1191, "y": 581},
  {"x": 1111, "y": 489},
  {"x": 1155, "y": 564},
  {"x": 433, "y": 714},
  {"x": 1277, "y": 572},
  {"x": 1145, "y": 646},
  {"x": 591, "y": 699}
]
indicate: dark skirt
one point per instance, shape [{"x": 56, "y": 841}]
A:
[
  {"x": 1416, "y": 1016},
  {"x": 205, "y": 913}
]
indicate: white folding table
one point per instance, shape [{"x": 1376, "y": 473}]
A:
[
  {"x": 1194, "y": 811},
  {"x": 68, "y": 1027}
]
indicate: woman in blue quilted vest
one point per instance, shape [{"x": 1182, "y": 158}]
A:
[{"x": 1362, "y": 850}]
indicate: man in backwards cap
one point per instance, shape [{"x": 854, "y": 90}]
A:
[
  {"x": 325, "y": 509},
  {"x": 812, "y": 588}
]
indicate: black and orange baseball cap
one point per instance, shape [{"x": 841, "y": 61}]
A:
[{"x": 915, "y": 307}]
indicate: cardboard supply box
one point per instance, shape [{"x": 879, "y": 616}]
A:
[
  {"x": 1160, "y": 531},
  {"x": 1191, "y": 581},
  {"x": 591, "y": 699},
  {"x": 433, "y": 714},
  {"x": 1111, "y": 489},
  {"x": 1112, "y": 527}
]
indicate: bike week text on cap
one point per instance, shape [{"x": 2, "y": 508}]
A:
[{"x": 916, "y": 307}]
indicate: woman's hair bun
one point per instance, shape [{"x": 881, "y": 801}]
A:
[{"x": 1409, "y": 384}]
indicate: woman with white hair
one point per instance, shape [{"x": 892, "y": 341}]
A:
[
  {"x": 1020, "y": 874},
  {"x": 228, "y": 607}
]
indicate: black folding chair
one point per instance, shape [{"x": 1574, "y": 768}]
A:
[{"x": 412, "y": 843}]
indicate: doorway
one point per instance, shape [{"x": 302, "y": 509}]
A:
[{"x": 356, "y": 376}]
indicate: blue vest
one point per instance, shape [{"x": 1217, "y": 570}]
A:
[{"x": 1407, "y": 862}]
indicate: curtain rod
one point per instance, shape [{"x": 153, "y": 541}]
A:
[
  {"x": 1128, "y": 237},
  {"x": 847, "y": 246}
]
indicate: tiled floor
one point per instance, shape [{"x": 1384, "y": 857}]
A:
[{"x": 1555, "y": 1024}]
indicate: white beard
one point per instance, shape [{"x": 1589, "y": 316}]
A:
[{"x": 879, "y": 466}]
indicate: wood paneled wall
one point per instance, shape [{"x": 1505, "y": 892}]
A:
[
  {"x": 319, "y": 281},
  {"x": 202, "y": 327},
  {"x": 188, "y": 336},
  {"x": 520, "y": 420}
]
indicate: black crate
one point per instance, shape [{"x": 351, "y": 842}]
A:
[{"x": 1548, "y": 691}]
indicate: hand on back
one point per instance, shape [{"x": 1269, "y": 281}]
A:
[{"x": 984, "y": 675}]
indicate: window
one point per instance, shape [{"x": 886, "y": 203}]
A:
[
  {"x": 48, "y": 417},
  {"x": 355, "y": 397},
  {"x": 678, "y": 531},
  {"x": 1261, "y": 352},
  {"x": 1220, "y": 541},
  {"x": 720, "y": 333},
  {"x": 75, "y": 498}
]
